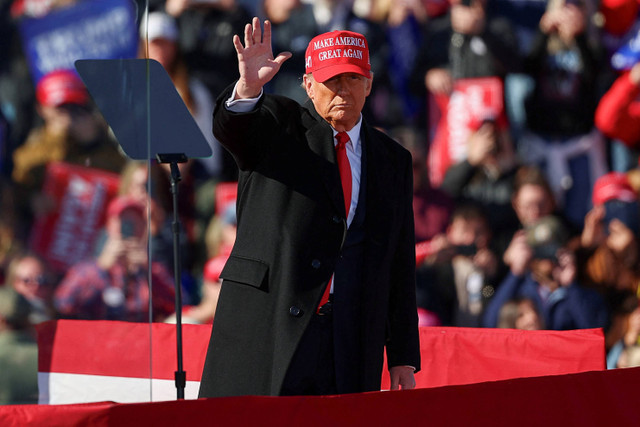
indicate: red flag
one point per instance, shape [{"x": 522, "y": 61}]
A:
[
  {"x": 454, "y": 356},
  {"x": 471, "y": 102}
]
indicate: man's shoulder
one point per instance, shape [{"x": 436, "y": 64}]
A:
[{"x": 385, "y": 141}]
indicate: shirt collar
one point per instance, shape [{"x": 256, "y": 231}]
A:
[{"x": 354, "y": 134}]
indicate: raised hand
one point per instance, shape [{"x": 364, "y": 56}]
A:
[{"x": 256, "y": 63}]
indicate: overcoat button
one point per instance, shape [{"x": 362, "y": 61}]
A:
[
  {"x": 336, "y": 219},
  {"x": 295, "y": 311},
  {"x": 316, "y": 264}
]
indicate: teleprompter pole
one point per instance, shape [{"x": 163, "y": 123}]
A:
[{"x": 173, "y": 160}]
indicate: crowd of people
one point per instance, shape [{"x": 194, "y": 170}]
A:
[{"x": 532, "y": 223}]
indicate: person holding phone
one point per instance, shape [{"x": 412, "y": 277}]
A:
[
  {"x": 455, "y": 282},
  {"x": 114, "y": 284},
  {"x": 544, "y": 270}
]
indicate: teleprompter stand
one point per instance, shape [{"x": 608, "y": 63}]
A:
[{"x": 150, "y": 121}]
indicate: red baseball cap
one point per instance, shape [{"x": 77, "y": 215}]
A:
[
  {"x": 61, "y": 87},
  {"x": 619, "y": 15},
  {"x": 337, "y": 52},
  {"x": 613, "y": 186}
]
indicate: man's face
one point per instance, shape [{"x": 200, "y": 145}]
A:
[
  {"x": 532, "y": 203},
  {"x": 464, "y": 232},
  {"x": 29, "y": 279},
  {"x": 340, "y": 99}
]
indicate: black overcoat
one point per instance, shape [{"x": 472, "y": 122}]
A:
[{"x": 291, "y": 226}]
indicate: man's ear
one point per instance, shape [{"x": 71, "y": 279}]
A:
[
  {"x": 369, "y": 85},
  {"x": 307, "y": 82}
]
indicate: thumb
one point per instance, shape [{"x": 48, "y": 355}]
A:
[{"x": 282, "y": 56}]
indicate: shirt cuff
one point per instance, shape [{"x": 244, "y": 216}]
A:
[
  {"x": 405, "y": 366},
  {"x": 241, "y": 105}
]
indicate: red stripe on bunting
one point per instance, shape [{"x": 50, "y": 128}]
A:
[
  {"x": 120, "y": 348},
  {"x": 453, "y": 356}
]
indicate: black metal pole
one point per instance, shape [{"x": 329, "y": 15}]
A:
[
  {"x": 180, "y": 375},
  {"x": 173, "y": 160}
]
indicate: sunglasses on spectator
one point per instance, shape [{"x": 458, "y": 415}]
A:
[{"x": 38, "y": 280}]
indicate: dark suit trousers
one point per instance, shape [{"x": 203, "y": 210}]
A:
[{"x": 312, "y": 369}]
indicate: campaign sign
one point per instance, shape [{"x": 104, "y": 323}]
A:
[
  {"x": 67, "y": 234},
  {"x": 96, "y": 29},
  {"x": 627, "y": 56},
  {"x": 472, "y": 101}
]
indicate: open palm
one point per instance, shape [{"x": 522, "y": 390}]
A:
[{"x": 256, "y": 63}]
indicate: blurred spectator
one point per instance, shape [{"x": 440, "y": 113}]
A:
[
  {"x": 455, "y": 282},
  {"x": 560, "y": 135},
  {"x": 11, "y": 242},
  {"x": 198, "y": 176},
  {"x": 609, "y": 240},
  {"x": 404, "y": 21},
  {"x": 464, "y": 43},
  {"x": 333, "y": 14},
  {"x": 544, "y": 270},
  {"x": 524, "y": 16},
  {"x": 630, "y": 357},
  {"x": 609, "y": 253},
  {"x": 162, "y": 34},
  {"x": 486, "y": 176},
  {"x": 520, "y": 313},
  {"x": 114, "y": 286},
  {"x": 431, "y": 207},
  {"x": 17, "y": 103},
  {"x": 221, "y": 232},
  {"x": 205, "y": 311},
  {"x": 625, "y": 329},
  {"x": 532, "y": 196},
  {"x": 72, "y": 132},
  {"x": 532, "y": 199},
  {"x": 134, "y": 183},
  {"x": 18, "y": 351},
  {"x": 29, "y": 275},
  {"x": 464, "y": 53}
]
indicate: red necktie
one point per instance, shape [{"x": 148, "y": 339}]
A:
[
  {"x": 345, "y": 176},
  {"x": 345, "y": 169}
]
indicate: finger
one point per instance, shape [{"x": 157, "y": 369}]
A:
[
  {"x": 248, "y": 35},
  {"x": 266, "y": 39},
  {"x": 395, "y": 382},
  {"x": 410, "y": 384},
  {"x": 237, "y": 44},
  {"x": 257, "y": 31}
]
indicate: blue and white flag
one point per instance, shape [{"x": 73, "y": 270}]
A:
[
  {"x": 629, "y": 53},
  {"x": 90, "y": 29}
]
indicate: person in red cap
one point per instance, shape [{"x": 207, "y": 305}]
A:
[
  {"x": 321, "y": 277},
  {"x": 72, "y": 132},
  {"x": 609, "y": 255}
]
